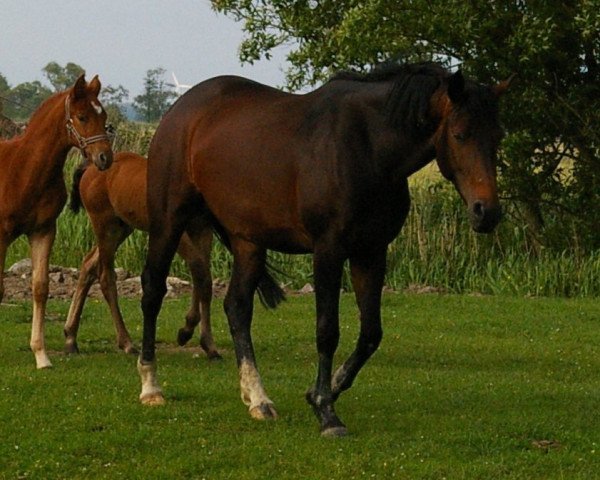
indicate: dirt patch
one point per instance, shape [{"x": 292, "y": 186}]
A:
[{"x": 63, "y": 281}]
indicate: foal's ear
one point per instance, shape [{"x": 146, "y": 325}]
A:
[
  {"x": 456, "y": 87},
  {"x": 501, "y": 88},
  {"x": 78, "y": 90},
  {"x": 94, "y": 86}
]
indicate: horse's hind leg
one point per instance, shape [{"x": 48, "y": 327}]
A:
[
  {"x": 248, "y": 266},
  {"x": 41, "y": 245},
  {"x": 195, "y": 250},
  {"x": 368, "y": 273},
  {"x": 327, "y": 264},
  {"x": 108, "y": 243},
  {"x": 163, "y": 242},
  {"x": 88, "y": 273}
]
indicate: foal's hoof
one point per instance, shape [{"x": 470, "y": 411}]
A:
[
  {"x": 334, "y": 432},
  {"x": 213, "y": 355},
  {"x": 153, "y": 399},
  {"x": 264, "y": 411},
  {"x": 184, "y": 336},
  {"x": 131, "y": 350}
]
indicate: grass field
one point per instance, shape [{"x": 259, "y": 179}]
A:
[{"x": 461, "y": 387}]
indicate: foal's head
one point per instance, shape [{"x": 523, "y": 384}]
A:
[
  {"x": 86, "y": 122},
  {"x": 466, "y": 143}
]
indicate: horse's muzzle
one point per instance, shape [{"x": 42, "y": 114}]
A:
[
  {"x": 103, "y": 160},
  {"x": 484, "y": 218}
]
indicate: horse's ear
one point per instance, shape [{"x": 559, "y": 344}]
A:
[
  {"x": 456, "y": 87},
  {"x": 79, "y": 88},
  {"x": 501, "y": 88},
  {"x": 94, "y": 86}
]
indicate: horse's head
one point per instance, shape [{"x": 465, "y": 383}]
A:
[
  {"x": 86, "y": 122},
  {"x": 466, "y": 143}
]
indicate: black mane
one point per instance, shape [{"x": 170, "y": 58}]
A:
[{"x": 408, "y": 101}]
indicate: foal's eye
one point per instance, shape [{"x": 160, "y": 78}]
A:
[{"x": 82, "y": 118}]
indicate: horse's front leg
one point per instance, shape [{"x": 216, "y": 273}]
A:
[
  {"x": 88, "y": 273},
  {"x": 367, "y": 271},
  {"x": 41, "y": 244},
  {"x": 195, "y": 250},
  {"x": 248, "y": 266},
  {"x": 327, "y": 266}
]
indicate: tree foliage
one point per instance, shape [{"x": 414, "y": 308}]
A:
[
  {"x": 157, "y": 97},
  {"x": 550, "y": 160},
  {"x": 62, "y": 78}
]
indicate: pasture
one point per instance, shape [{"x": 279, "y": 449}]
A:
[{"x": 461, "y": 387}]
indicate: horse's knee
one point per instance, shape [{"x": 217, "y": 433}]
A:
[
  {"x": 40, "y": 290},
  {"x": 370, "y": 339}
]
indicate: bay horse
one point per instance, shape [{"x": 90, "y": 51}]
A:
[
  {"x": 115, "y": 201},
  {"x": 322, "y": 173},
  {"x": 32, "y": 187}
]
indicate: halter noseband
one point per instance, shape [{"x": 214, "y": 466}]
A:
[{"x": 83, "y": 142}]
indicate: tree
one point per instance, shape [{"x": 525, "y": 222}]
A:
[
  {"x": 25, "y": 98},
  {"x": 113, "y": 99},
  {"x": 550, "y": 162},
  {"x": 62, "y": 78},
  {"x": 157, "y": 96}
]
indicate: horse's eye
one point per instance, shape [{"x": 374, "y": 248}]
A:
[
  {"x": 460, "y": 136},
  {"x": 82, "y": 118}
]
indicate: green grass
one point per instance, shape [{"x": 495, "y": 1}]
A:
[{"x": 461, "y": 387}]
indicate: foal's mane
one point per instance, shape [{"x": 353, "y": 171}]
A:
[{"x": 408, "y": 100}]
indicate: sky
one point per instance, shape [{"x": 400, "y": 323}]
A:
[{"x": 120, "y": 40}]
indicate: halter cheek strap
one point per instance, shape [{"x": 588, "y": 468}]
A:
[{"x": 83, "y": 142}]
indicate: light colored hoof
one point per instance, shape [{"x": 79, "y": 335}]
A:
[
  {"x": 265, "y": 411},
  {"x": 153, "y": 399},
  {"x": 43, "y": 362},
  {"x": 334, "y": 432}
]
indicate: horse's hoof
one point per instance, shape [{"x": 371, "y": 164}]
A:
[
  {"x": 213, "y": 355},
  {"x": 264, "y": 411},
  {"x": 183, "y": 336},
  {"x": 131, "y": 350},
  {"x": 334, "y": 432},
  {"x": 71, "y": 348},
  {"x": 43, "y": 365},
  {"x": 153, "y": 399}
]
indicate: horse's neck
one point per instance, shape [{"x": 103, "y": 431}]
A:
[{"x": 45, "y": 143}]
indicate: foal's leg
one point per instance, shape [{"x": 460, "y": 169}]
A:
[
  {"x": 162, "y": 245},
  {"x": 108, "y": 243},
  {"x": 88, "y": 273},
  {"x": 195, "y": 250},
  {"x": 327, "y": 266},
  {"x": 3, "y": 248},
  {"x": 368, "y": 273},
  {"x": 41, "y": 245},
  {"x": 248, "y": 267}
]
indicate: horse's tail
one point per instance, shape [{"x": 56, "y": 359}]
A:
[
  {"x": 270, "y": 293},
  {"x": 75, "y": 203}
]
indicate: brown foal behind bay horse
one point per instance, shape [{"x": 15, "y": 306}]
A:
[
  {"x": 115, "y": 201},
  {"x": 32, "y": 187}
]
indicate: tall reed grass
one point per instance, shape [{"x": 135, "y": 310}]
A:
[{"x": 436, "y": 247}]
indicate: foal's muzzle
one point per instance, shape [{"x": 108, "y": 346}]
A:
[{"x": 484, "y": 218}]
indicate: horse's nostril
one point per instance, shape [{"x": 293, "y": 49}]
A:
[{"x": 478, "y": 209}]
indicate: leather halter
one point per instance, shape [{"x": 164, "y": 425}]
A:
[{"x": 83, "y": 142}]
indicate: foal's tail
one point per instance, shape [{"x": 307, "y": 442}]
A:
[
  {"x": 269, "y": 292},
  {"x": 75, "y": 203}
]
